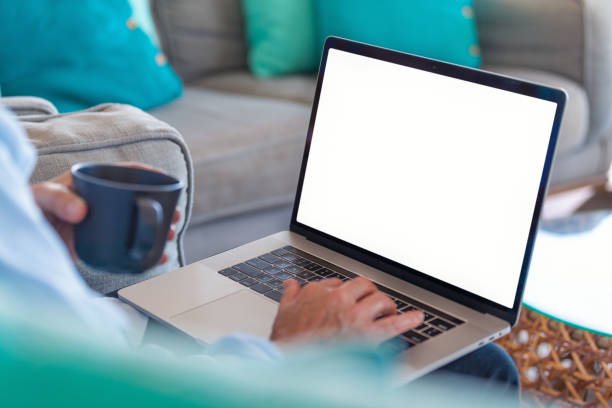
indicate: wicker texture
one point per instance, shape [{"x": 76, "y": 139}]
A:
[{"x": 560, "y": 364}]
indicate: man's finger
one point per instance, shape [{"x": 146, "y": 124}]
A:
[
  {"x": 375, "y": 305},
  {"x": 359, "y": 288},
  {"x": 65, "y": 178},
  {"x": 391, "y": 326},
  {"x": 292, "y": 288},
  {"x": 60, "y": 201},
  {"x": 176, "y": 217},
  {"x": 331, "y": 283}
]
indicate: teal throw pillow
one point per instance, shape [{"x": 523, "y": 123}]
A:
[
  {"x": 81, "y": 53},
  {"x": 439, "y": 29},
  {"x": 281, "y": 37}
]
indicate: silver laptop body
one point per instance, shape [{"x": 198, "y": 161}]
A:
[{"x": 425, "y": 177}]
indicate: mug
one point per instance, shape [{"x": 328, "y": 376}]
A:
[{"x": 129, "y": 214}]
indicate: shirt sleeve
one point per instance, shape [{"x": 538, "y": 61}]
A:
[{"x": 37, "y": 271}]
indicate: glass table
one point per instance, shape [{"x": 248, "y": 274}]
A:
[
  {"x": 562, "y": 344},
  {"x": 570, "y": 278}
]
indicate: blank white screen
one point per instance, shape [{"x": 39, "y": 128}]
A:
[{"x": 435, "y": 173}]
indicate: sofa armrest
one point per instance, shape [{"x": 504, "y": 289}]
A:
[
  {"x": 28, "y": 105},
  {"x": 113, "y": 133},
  {"x": 598, "y": 66}
]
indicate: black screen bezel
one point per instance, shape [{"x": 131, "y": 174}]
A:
[{"x": 394, "y": 268}]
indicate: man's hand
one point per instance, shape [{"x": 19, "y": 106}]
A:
[
  {"x": 330, "y": 310},
  {"x": 63, "y": 208}
]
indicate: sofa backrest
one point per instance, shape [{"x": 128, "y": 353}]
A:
[
  {"x": 540, "y": 34},
  {"x": 572, "y": 38},
  {"x": 201, "y": 37},
  {"x": 206, "y": 36}
]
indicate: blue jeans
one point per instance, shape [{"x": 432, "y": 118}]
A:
[{"x": 486, "y": 377}]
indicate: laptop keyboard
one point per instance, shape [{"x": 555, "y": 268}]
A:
[{"x": 266, "y": 273}]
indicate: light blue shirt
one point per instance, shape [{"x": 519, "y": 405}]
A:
[{"x": 38, "y": 279}]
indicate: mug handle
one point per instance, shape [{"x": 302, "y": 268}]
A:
[{"x": 149, "y": 232}]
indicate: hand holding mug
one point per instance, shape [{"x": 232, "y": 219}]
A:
[{"x": 64, "y": 208}]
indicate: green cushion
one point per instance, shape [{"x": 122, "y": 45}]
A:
[
  {"x": 81, "y": 53},
  {"x": 281, "y": 36},
  {"x": 440, "y": 29},
  {"x": 286, "y": 37}
]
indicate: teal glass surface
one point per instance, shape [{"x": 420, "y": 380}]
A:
[
  {"x": 441, "y": 29},
  {"x": 81, "y": 53},
  {"x": 44, "y": 367}
]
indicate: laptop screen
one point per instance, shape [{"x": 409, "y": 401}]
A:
[{"x": 436, "y": 173}]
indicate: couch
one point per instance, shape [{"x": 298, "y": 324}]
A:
[{"x": 246, "y": 135}]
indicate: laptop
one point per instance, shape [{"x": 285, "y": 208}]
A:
[{"x": 425, "y": 177}]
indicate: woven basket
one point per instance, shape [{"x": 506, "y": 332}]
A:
[{"x": 560, "y": 364}]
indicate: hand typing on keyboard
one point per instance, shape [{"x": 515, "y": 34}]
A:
[{"x": 331, "y": 309}]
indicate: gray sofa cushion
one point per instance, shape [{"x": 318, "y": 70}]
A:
[
  {"x": 298, "y": 88},
  {"x": 201, "y": 36},
  {"x": 193, "y": 121},
  {"x": 246, "y": 150},
  {"x": 113, "y": 133},
  {"x": 575, "y": 125}
]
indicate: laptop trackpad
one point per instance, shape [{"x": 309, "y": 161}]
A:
[{"x": 242, "y": 311}]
